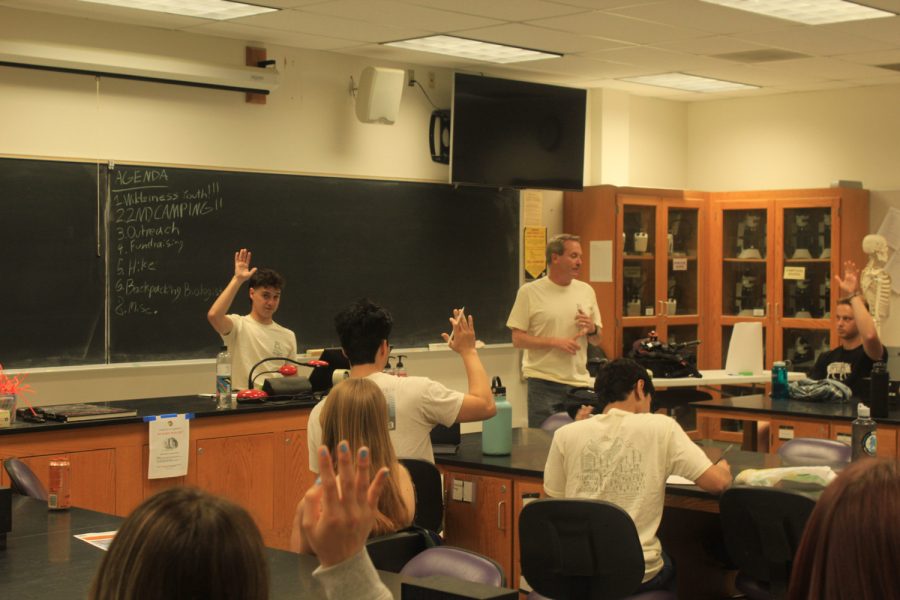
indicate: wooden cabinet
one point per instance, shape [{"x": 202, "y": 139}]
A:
[
  {"x": 258, "y": 460},
  {"x": 482, "y": 519},
  {"x": 784, "y": 430},
  {"x": 525, "y": 491},
  {"x": 658, "y": 281},
  {"x": 774, "y": 256},
  {"x": 887, "y": 438}
]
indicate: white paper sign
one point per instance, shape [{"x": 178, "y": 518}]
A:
[
  {"x": 169, "y": 440},
  {"x": 679, "y": 264},
  {"x": 796, "y": 273}
]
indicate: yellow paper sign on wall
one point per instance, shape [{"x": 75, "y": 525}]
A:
[{"x": 535, "y": 240}]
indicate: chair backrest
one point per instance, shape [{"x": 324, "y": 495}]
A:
[
  {"x": 555, "y": 421},
  {"x": 392, "y": 551},
  {"x": 455, "y": 562},
  {"x": 23, "y": 479},
  {"x": 814, "y": 451},
  {"x": 429, "y": 493},
  {"x": 573, "y": 548},
  {"x": 762, "y": 529}
]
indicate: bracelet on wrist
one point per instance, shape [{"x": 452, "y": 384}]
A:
[
  {"x": 851, "y": 297},
  {"x": 595, "y": 331}
]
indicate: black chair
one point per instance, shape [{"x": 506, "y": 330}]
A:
[
  {"x": 429, "y": 493},
  {"x": 762, "y": 529},
  {"x": 392, "y": 551},
  {"x": 24, "y": 481},
  {"x": 586, "y": 549}
]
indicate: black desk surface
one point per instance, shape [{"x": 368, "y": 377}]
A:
[
  {"x": 200, "y": 406},
  {"x": 43, "y": 561},
  {"x": 764, "y": 405},
  {"x": 531, "y": 446}
]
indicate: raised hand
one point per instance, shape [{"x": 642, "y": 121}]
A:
[
  {"x": 463, "y": 336},
  {"x": 337, "y": 514},
  {"x": 242, "y": 270},
  {"x": 850, "y": 283}
]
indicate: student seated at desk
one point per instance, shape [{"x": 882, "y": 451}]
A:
[
  {"x": 417, "y": 403},
  {"x": 184, "y": 543},
  {"x": 356, "y": 411},
  {"x": 849, "y": 548},
  {"x": 625, "y": 455}
]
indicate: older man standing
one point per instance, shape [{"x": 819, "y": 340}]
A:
[{"x": 554, "y": 319}]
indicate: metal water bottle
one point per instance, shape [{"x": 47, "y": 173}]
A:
[
  {"x": 864, "y": 439},
  {"x": 780, "y": 381},
  {"x": 223, "y": 379},
  {"x": 496, "y": 432},
  {"x": 878, "y": 391}
]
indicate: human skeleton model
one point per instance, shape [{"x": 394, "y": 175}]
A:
[{"x": 875, "y": 281}]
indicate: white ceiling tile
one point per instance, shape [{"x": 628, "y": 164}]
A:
[
  {"x": 826, "y": 68},
  {"x": 753, "y": 75},
  {"x": 658, "y": 59},
  {"x": 615, "y": 27},
  {"x": 271, "y": 36},
  {"x": 700, "y": 15},
  {"x": 810, "y": 40},
  {"x": 606, "y": 4},
  {"x": 397, "y": 14},
  {"x": 507, "y": 10},
  {"x": 711, "y": 45},
  {"x": 884, "y": 30},
  {"x": 306, "y": 22},
  {"x": 539, "y": 38},
  {"x": 883, "y": 57}
]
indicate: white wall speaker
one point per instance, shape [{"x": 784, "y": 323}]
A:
[{"x": 379, "y": 93}]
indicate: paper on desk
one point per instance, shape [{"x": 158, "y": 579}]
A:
[
  {"x": 101, "y": 540},
  {"x": 678, "y": 480}
]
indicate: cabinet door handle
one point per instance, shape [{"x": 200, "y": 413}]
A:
[
  {"x": 661, "y": 308},
  {"x": 500, "y": 519},
  {"x": 199, "y": 450}
]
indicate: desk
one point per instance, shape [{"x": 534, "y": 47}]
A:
[
  {"x": 721, "y": 377},
  {"x": 502, "y": 485},
  {"x": 796, "y": 418},
  {"x": 44, "y": 562}
]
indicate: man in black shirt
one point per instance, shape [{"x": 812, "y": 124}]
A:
[{"x": 860, "y": 346}]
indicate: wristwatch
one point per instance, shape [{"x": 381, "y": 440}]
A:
[
  {"x": 595, "y": 331},
  {"x": 851, "y": 296}
]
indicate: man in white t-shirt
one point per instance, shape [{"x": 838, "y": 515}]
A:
[
  {"x": 251, "y": 338},
  {"x": 554, "y": 319},
  {"x": 625, "y": 455},
  {"x": 415, "y": 404}
]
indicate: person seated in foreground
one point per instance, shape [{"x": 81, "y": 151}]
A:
[
  {"x": 625, "y": 455},
  {"x": 184, "y": 543},
  {"x": 417, "y": 403},
  {"x": 356, "y": 411},
  {"x": 849, "y": 549}
]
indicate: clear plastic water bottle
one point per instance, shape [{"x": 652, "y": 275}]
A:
[
  {"x": 878, "y": 390},
  {"x": 496, "y": 432},
  {"x": 864, "y": 439},
  {"x": 223, "y": 379},
  {"x": 780, "y": 381}
]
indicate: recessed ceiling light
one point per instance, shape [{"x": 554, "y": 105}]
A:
[
  {"x": 220, "y": 10},
  {"x": 811, "y": 12},
  {"x": 463, "y": 48},
  {"x": 690, "y": 83}
]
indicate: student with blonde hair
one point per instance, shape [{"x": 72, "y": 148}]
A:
[
  {"x": 184, "y": 543},
  {"x": 356, "y": 410}
]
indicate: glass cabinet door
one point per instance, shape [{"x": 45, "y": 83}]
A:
[
  {"x": 806, "y": 287},
  {"x": 744, "y": 284},
  {"x": 682, "y": 289},
  {"x": 802, "y": 347},
  {"x": 638, "y": 272}
]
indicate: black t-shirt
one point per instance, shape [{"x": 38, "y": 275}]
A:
[{"x": 846, "y": 366}]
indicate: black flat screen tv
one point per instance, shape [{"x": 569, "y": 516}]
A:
[{"x": 518, "y": 134}]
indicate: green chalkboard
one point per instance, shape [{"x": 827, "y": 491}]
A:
[
  {"x": 52, "y": 307},
  {"x": 417, "y": 248}
]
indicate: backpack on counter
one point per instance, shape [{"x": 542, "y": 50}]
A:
[{"x": 665, "y": 360}]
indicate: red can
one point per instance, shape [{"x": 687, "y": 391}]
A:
[{"x": 58, "y": 493}]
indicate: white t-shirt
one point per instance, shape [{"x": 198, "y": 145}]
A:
[
  {"x": 250, "y": 341},
  {"x": 624, "y": 458},
  {"x": 415, "y": 406},
  {"x": 545, "y": 309}
]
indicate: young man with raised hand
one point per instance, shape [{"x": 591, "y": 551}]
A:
[{"x": 415, "y": 404}]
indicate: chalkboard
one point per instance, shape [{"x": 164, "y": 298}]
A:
[
  {"x": 419, "y": 249},
  {"x": 52, "y": 305}
]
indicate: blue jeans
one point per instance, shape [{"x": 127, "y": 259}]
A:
[
  {"x": 664, "y": 580},
  {"x": 543, "y": 398}
]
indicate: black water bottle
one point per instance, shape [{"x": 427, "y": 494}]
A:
[{"x": 878, "y": 391}]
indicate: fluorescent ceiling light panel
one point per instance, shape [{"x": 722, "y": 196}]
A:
[
  {"x": 811, "y": 12},
  {"x": 473, "y": 49},
  {"x": 220, "y": 10},
  {"x": 690, "y": 83}
]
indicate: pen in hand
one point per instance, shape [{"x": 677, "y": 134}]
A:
[
  {"x": 724, "y": 452},
  {"x": 462, "y": 315}
]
